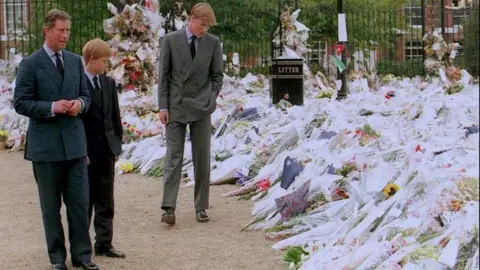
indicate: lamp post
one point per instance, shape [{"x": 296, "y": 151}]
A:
[{"x": 342, "y": 39}]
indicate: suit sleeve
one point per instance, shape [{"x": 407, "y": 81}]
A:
[
  {"x": 116, "y": 117},
  {"x": 216, "y": 68},
  {"x": 25, "y": 99},
  {"x": 84, "y": 93},
  {"x": 164, "y": 73}
]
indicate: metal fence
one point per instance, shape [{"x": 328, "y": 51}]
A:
[{"x": 387, "y": 39}]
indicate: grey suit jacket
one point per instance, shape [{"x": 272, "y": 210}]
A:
[
  {"x": 188, "y": 88},
  {"x": 38, "y": 85}
]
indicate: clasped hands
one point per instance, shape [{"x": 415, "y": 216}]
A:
[{"x": 69, "y": 107}]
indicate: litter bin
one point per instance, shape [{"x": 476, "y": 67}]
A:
[{"x": 286, "y": 81}]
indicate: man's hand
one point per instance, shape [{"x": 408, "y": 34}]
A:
[
  {"x": 164, "y": 117},
  {"x": 76, "y": 106},
  {"x": 61, "y": 106}
]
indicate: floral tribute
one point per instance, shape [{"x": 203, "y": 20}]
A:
[
  {"x": 135, "y": 34},
  {"x": 294, "y": 34},
  {"x": 177, "y": 18}
]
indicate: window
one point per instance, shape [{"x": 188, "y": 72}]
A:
[
  {"x": 15, "y": 15},
  {"x": 459, "y": 16},
  {"x": 413, "y": 15},
  {"x": 413, "y": 49},
  {"x": 318, "y": 51}
]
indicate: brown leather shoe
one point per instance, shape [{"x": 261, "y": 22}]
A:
[
  {"x": 169, "y": 217},
  {"x": 202, "y": 216}
]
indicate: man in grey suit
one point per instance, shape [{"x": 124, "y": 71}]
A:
[
  {"x": 51, "y": 90},
  {"x": 190, "y": 79}
]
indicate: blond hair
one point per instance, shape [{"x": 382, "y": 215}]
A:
[
  {"x": 96, "y": 49},
  {"x": 204, "y": 12}
]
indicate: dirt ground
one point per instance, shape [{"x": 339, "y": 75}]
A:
[{"x": 138, "y": 232}]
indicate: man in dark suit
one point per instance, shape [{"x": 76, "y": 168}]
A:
[
  {"x": 103, "y": 127},
  {"x": 51, "y": 90},
  {"x": 191, "y": 77}
]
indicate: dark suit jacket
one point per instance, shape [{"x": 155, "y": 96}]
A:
[
  {"x": 103, "y": 125},
  {"x": 38, "y": 85},
  {"x": 188, "y": 88}
]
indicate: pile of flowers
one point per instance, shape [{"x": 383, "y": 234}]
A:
[
  {"x": 294, "y": 34},
  {"x": 439, "y": 62},
  {"x": 384, "y": 179},
  {"x": 132, "y": 134},
  {"x": 135, "y": 35},
  {"x": 176, "y": 19},
  {"x": 437, "y": 51}
]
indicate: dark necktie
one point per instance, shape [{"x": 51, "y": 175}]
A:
[
  {"x": 59, "y": 63},
  {"x": 192, "y": 46},
  {"x": 97, "y": 92}
]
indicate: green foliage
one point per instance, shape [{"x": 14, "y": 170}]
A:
[
  {"x": 407, "y": 68},
  {"x": 471, "y": 46},
  {"x": 367, "y": 20},
  {"x": 245, "y": 27},
  {"x": 87, "y": 22},
  {"x": 294, "y": 254}
]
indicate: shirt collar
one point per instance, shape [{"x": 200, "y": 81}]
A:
[
  {"x": 49, "y": 51},
  {"x": 189, "y": 34},
  {"x": 91, "y": 76}
]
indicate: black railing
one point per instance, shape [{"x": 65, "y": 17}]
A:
[{"x": 384, "y": 38}]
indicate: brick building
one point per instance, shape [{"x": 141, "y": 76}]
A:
[
  {"x": 408, "y": 42},
  {"x": 409, "y": 46},
  {"x": 14, "y": 16}
]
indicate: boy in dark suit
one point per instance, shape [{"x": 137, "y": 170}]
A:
[{"x": 103, "y": 128}]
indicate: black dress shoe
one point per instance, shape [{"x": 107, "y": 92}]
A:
[
  {"x": 110, "y": 252},
  {"x": 169, "y": 216},
  {"x": 59, "y": 266},
  {"x": 202, "y": 216},
  {"x": 86, "y": 265}
]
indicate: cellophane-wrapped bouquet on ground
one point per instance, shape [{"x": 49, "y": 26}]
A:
[
  {"x": 12, "y": 125},
  {"x": 384, "y": 179}
]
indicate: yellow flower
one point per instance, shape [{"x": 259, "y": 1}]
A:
[
  {"x": 455, "y": 205},
  {"x": 390, "y": 189},
  {"x": 3, "y": 134},
  {"x": 126, "y": 166}
]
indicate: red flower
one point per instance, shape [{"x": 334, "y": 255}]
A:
[
  {"x": 130, "y": 87},
  {"x": 418, "y": 149},
  {"x": 133, "y": 77},
  {"x": 341, "y": 193},
  {"x": 263, "y": 185}
]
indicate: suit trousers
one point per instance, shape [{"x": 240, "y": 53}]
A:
[
  {"x": 101, "y": 174},
  {"x": 67, "y": 179},
  {"x": 200, "y": 134}
]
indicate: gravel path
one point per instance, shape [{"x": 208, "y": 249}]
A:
[{"x": 138, "y": 231}]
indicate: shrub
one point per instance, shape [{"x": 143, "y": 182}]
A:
[
  {"x": 471, "y": 47},
  {"x": 407, "y": 68}
]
